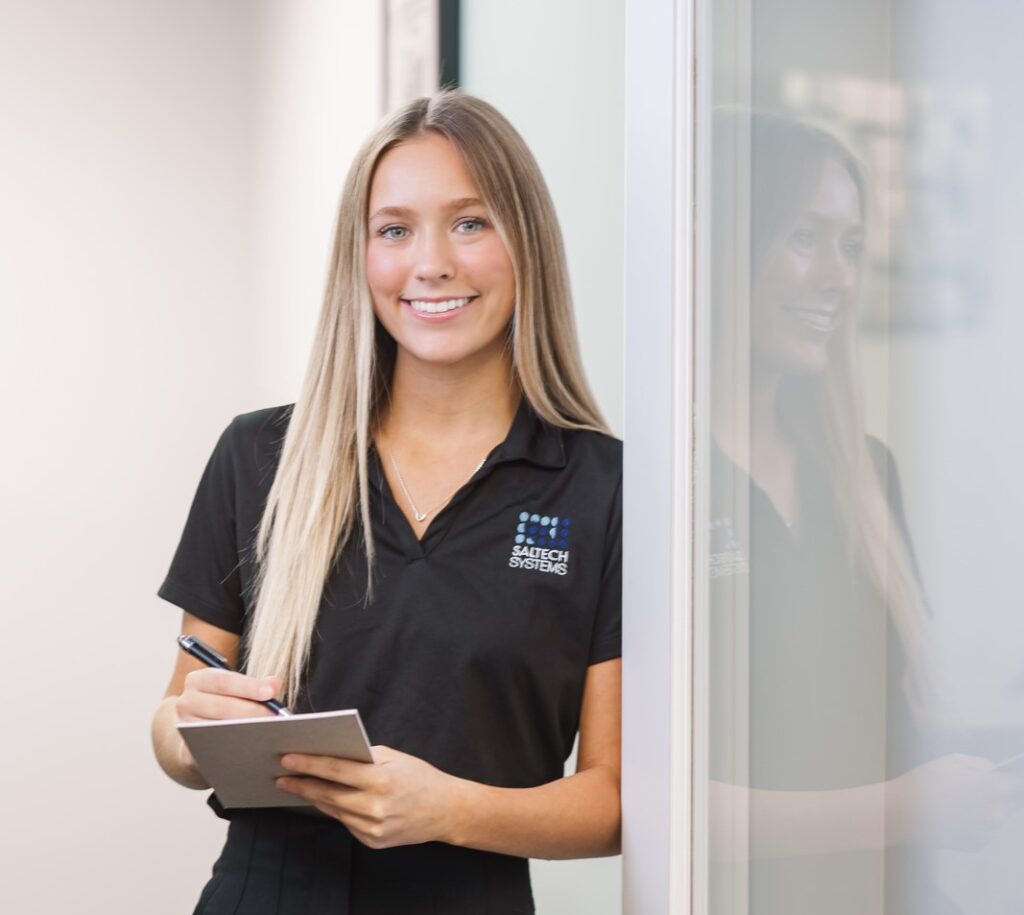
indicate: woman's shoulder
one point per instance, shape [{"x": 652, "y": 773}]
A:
[
  {"x": 598, "y": 452},
  {"x": 253, "y": 440},
  {"x": 268, "y": 421},
  {"x": 881, "y": 455}
]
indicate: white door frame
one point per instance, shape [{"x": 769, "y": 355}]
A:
[{"x": 658, "y": 853}]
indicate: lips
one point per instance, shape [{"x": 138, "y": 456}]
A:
[
  {"x": 821, "y": 319},
  {"x": 438, "y": 306}
]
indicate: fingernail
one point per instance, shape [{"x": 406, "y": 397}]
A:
[
  {"x": 288, "y": 761},
  {"x": 266, "y": 692}
]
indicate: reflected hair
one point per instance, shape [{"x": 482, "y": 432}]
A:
[
  {"x": 821, "y": 414},
  {"x": 319, "y": 501}
]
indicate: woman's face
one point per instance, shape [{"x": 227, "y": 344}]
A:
[
  {"x": 441, "y": 279},
  {"x": 808, "y": 278}
]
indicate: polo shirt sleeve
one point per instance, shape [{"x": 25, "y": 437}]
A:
[
  {"x": 204, "y": 577},
  {"x": 606, "y": 641}
]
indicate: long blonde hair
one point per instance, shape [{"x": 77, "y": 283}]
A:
[{"x": 319, "y": 501}]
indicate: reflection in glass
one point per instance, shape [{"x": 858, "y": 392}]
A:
[{"x": 840, "y": 761}]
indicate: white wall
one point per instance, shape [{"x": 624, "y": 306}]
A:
[
  {"x": 556, "y": 70},
  {"x": 162, "y": 246}
]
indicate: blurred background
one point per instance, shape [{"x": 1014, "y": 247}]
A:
[{"x": 170, "y": 172}]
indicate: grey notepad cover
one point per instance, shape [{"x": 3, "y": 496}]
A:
[{"x": 241, "y": 757}]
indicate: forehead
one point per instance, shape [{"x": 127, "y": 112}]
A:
[
  {"x": 835, "y": 196},
  {"x": 421, "y": 173}
]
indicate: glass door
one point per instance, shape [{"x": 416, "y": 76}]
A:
[{"x": 858, "y": 636}]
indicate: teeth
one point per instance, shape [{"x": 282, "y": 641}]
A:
[
  {"x": 434, "y": 308},
  {"x": 816, "y": 319}
]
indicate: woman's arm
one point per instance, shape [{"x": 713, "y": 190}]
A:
[
  {"x": 954, "y": 801},
  {"x": 402, "y": 800},
  {"x": 574, "y": 817},
  {"x": 197, "y": 692}
]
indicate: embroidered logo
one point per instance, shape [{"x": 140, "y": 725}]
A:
[
  {"x": 726, "y": 556},
  {"x": 541, "y": 543}
]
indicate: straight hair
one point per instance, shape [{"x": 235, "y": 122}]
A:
[{"x": 319, "y": 501}]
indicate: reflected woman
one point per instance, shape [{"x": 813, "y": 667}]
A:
[{"x": 827, "y": 758}]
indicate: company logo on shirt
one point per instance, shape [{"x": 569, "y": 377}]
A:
[
  {"x": 541, "y": 543},
  {"x": 726, "y": 556}
]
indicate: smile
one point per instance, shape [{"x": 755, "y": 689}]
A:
[
  {"x": 433, "y": 308},
  {"x": 819, "y": 320}
]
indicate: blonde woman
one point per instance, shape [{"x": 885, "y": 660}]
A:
[{"x": 430, "y": 534}]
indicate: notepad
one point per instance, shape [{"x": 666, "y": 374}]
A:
[{"x": 241, "y": 757}]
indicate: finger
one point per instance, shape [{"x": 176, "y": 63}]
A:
[
  {"x": 368, "y": 833},
  {"x": 195, "y": 706},
  {"x": 348, "y": 801},
  {"x": 185, "y": 756},
  {"x": 343, "y": 771},
  {"x": 232, "y": 683}
]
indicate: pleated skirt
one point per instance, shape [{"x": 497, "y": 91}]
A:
[{"x": 278, "y": 862}]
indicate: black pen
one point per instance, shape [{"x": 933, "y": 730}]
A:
[{"x": 203, "y": 652}]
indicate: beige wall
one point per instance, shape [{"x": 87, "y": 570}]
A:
[{"x": 169, "y": 169}]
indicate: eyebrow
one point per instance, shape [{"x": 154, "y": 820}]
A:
[
  {"x": 453, "y": 206},
  {"x": 819, "y": 217}
]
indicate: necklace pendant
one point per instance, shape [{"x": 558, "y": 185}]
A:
[{"x": 420, "y": 516}]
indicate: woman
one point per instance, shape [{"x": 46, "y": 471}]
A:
[
  {"x": 831, "y": 745},
  {"x": 431, "y": 534}
]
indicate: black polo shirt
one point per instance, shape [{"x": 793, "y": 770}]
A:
[{"x": 473, "y": 653}]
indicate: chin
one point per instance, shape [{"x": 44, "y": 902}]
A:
[
  {"x": 439, "y": 355},
  {"x": 800, "y": 361}
]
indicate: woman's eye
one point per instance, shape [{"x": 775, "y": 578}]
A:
[
  {"x": 394, "y": 232},
  {"x": 802, "y": 239},
  {"x": 469, "y": 226},
  {"x": 853, "y": 249}
]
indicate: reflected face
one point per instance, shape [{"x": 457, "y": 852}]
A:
[
  {"x": 441, "y": 279},
  {"x": 808, "y": 278}
]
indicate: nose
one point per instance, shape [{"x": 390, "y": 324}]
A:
[
  {"x": 838, "y": 272},
  {"x": 434, "y": 257}
]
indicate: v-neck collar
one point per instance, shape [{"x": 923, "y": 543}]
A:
[
  {"x": 529, "y": 439},
  {"x": 794, "y": 532}
]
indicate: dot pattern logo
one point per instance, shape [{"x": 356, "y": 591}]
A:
[
  {"x": 543, "y": 530},
  {"x": 541, "y": 543}
]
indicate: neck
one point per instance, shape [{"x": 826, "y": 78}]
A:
[
  {"x": 744, "y": 421},
  {"x": 450, "y": 403}
]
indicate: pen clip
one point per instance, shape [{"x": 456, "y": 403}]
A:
[{"x": 190, "y": 642}]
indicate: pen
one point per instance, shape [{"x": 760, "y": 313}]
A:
[{"x": 203, "y": 652}]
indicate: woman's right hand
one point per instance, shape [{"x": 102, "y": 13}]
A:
[
  {"x": 955, "y": 801},
  {"x": 210, "y": 694}
]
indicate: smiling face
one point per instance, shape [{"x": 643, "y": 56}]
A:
[
  {"x": 807, "y": 278},
  {"x": 440, "y": 277}
]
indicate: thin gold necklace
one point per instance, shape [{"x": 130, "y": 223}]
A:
[{"x": 422, "y": 516}]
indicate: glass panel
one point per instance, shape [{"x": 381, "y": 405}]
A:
[{"x": 858, "y": 623}]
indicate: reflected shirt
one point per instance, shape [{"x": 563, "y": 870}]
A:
[{"x": 806, "y": 672}]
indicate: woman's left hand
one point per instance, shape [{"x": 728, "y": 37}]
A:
[{"x": 398, "y": 800}]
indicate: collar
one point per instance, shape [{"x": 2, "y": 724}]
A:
[
  {"x": 529, "y": 439},
  {"x": 533, "y": 440}
]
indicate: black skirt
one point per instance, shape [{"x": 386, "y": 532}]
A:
[{"x": 278, "y": 862}]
